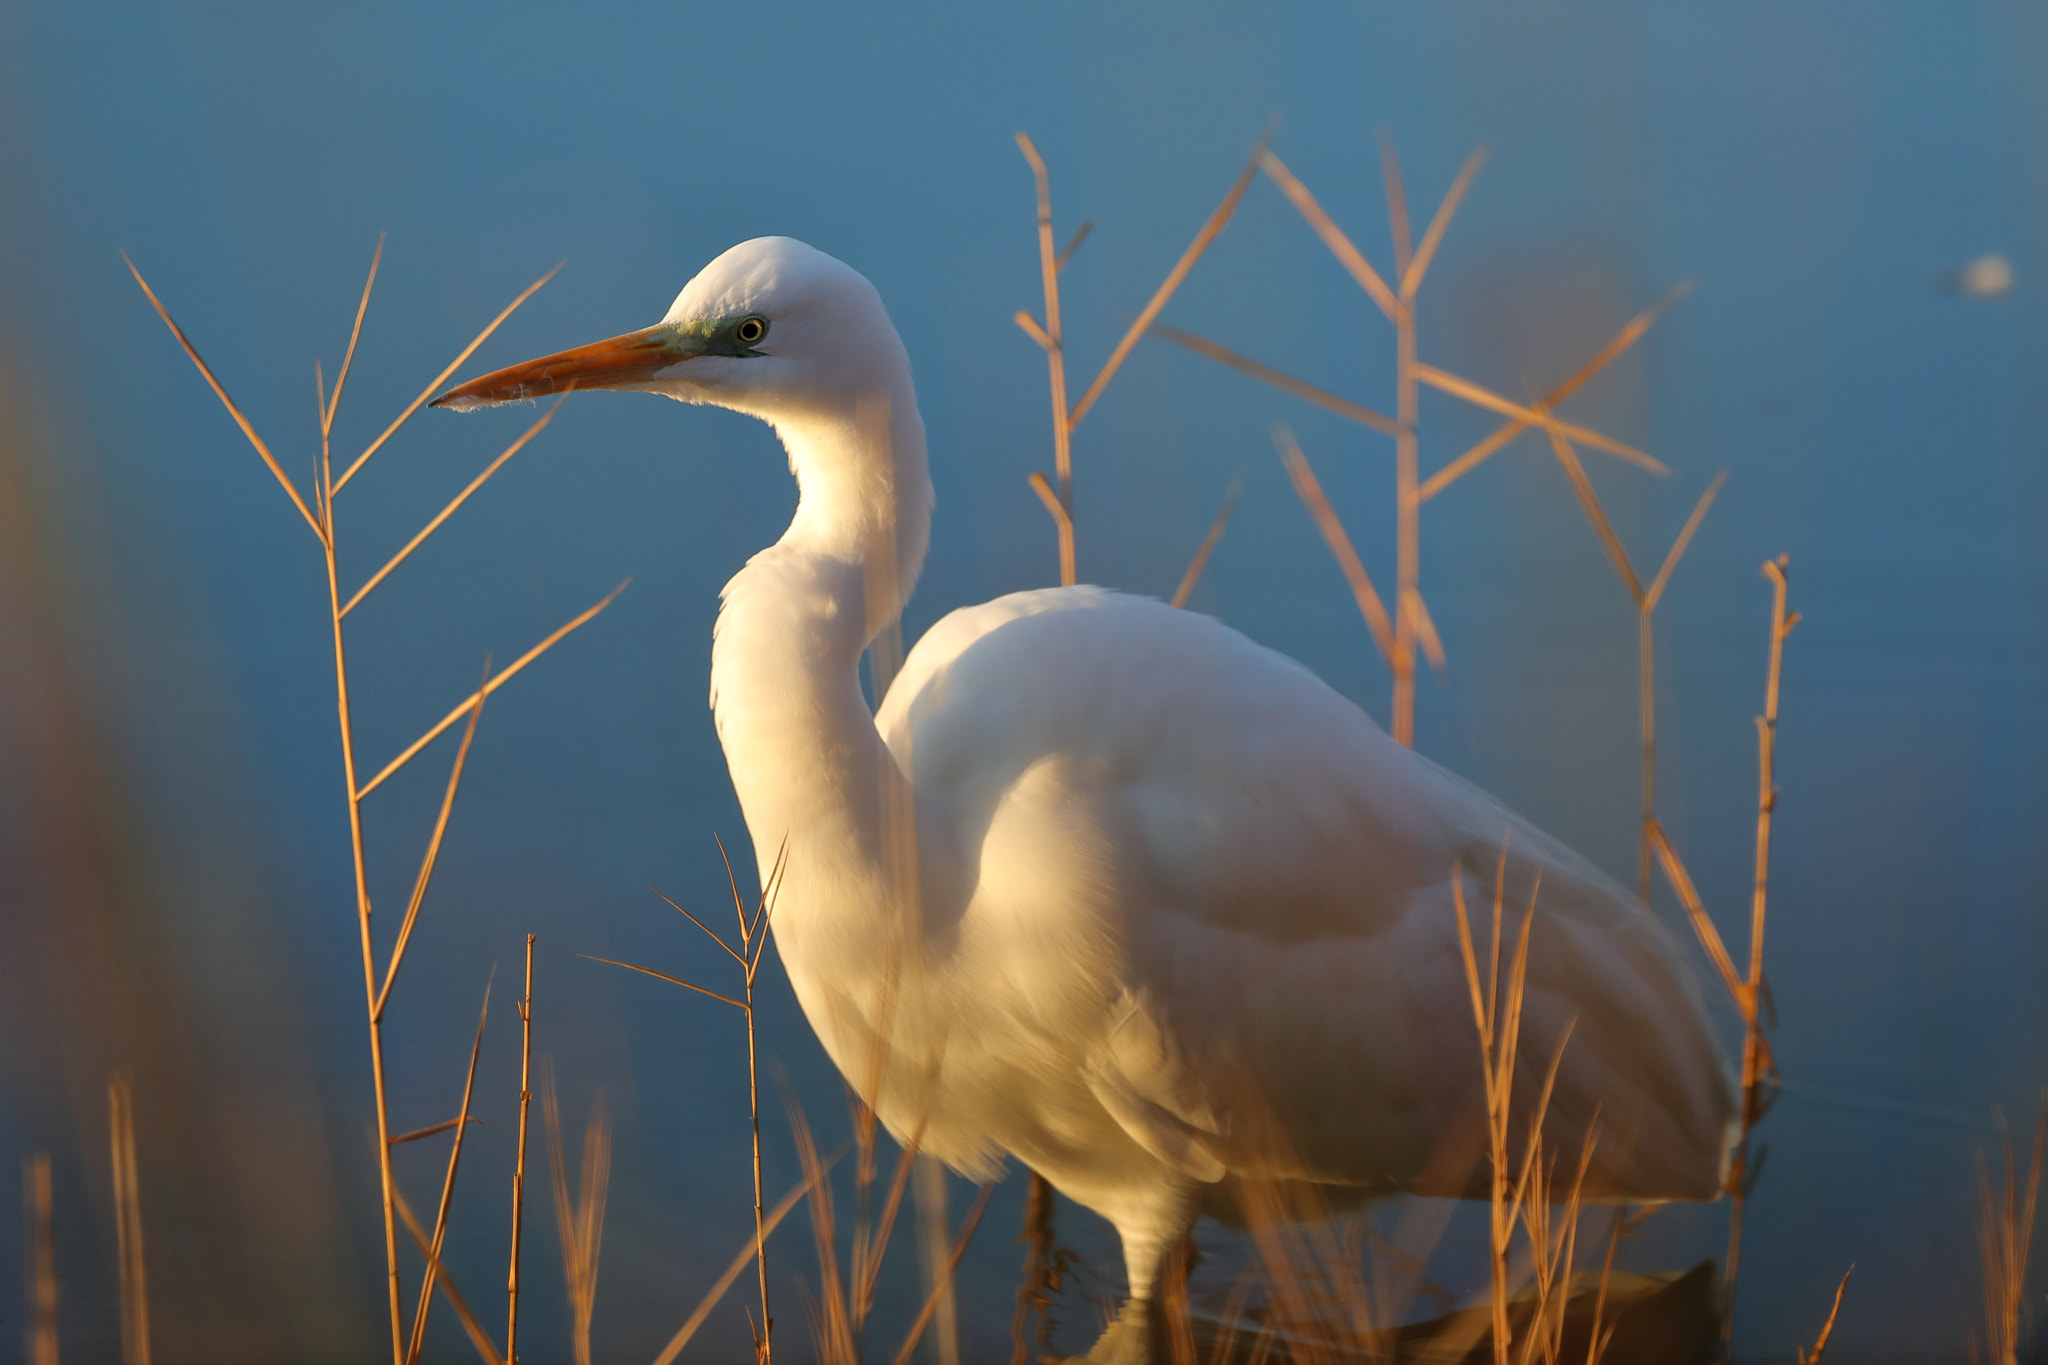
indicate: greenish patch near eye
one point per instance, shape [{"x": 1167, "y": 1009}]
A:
[{"x": 720, "y": 336}]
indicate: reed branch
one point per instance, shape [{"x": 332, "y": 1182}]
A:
[
  {"x": 519, "y": 1168},
  {"x": 128, "y": 1221},
  {"x": 1208, "y": 545},
  {"x": 1827, "y": 1329},
  {"x": 442, "y": 378},
  {"x": 945, "y": 1278},
  {"x": 439, "y": 1240},
  {"x": 495, "y": 682},
  {"x": 478, "y": 482},
  {"x": 1312, "y": 497},
  {"x": 431, "y": 857},
  {"x": 1286, "y": 383},
  {"x": 1210, "y": 230},
  {"x": 441, "y": 1278},
  {"x": 220, "y": 392},
  {"x": 1630, "y": 333},
  {"x": 579, "y": 1216}
]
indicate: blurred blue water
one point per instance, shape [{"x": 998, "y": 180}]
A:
[{"x": 1813, "y": 169}]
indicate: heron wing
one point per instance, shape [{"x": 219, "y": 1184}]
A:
[{"x": 1277, "y": 879}]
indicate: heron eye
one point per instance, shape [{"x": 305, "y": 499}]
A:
[{"x": 750, "y": 330}]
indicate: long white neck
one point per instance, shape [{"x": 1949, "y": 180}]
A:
[{"x": 812, "y": 774}]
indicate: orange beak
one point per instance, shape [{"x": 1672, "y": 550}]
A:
[{"x": 634, "y": 358}]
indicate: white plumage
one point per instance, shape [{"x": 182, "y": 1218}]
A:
[{"x": 1104, "y": 885}]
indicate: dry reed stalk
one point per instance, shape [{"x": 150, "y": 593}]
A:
[
  {"x": 579, "y": 1216},
  {"x": 1645, "y": 600},
  {"x": 1045, "y": 1266},
  {"x": 1827, "y": 1329},
  {"x": 2005, "y": 1233},
  {"x": 1208, "y": 546},
  {"x": 519, "y": 1169},
  {"x": 320, "y": 518},
  {"x": 1051, "y": 334},
  {"x": 1750, "y": 992},
  {"x": 128, "y": 1222},
  {"x": 831, "y": 1323},
  {"x": 40, "y": 1328},
  {"x": 1407, "y": 476},
  {"x": 1498, "y": 1018},
  {"x": 871, "y": 1243},
  {"x": 747, "y": 1253},
  {"x": 753, "y": 941},
  {"x": 1410, "y": 627},
  {"x": 1312, "y": 497},
  {"x": 943, "y": 1274},
  {"x": 446, "y": 1284},
  {"x": 439, "y": 1240},
  {"x": 1759, "y": 1067}
]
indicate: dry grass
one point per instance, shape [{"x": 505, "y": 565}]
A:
[
  {"x": 1399, "y": 636},
  {"x": 519, "y": 1167},
  {"x": 1827, "y": 1329},
  {"x": 128, "y": 1221},
  {"x": 579, "y": 1212},
  {"x": 2005, "y": 1232},
  {"x": 1050, "y": 334},
  {"x": 39, "y": 1332},
  {"x": 752, "y": 942},
  {"x": 319, "y": 515}
]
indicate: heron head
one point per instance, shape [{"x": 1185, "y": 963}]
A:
[{"x": 772, "y": 327}]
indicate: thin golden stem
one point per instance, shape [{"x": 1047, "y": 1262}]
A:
[
  {"x": 1646, "y": 709},
  {"x": 1757, "y": 1068},
  {"x": 1646, "y": 675},
  {"x": 370, "y": 992},
  {"x": 737, "y": 1266},
  {"x": 1062, "y": 520},
  {"x": 128, "y": 1222},
  {"x": 1059, "y": 262},
  {"x": 1539, "y": 415},
  {"x": 497, "y": 681},
  {"x": 439, "y": 380},
  {"x": 348, "y": 357},
  {"x": 42, "y": 1260},
  {"x": 1827, "y": 1329},
  {"x": 1478, "y": 454},
  {"x": 421, "y": 1134},
  {"x": 945, "y": 1276},
  {"x": 1208, "y": 546},
  {"x": 221, "y": 393},
  {"x": 1407, "y": 506},
  {"x": 519, "y": 1169},
  {"x": 1052, "y": 337},
  {"x": 1287, "y": 383},
  {"x": 477, "y": 1336},
  {"x": 432, "y": 855},
  {"x": 1217, "y": 221},
  {"x": 1418, "y": 266},
  {"x": 1349, "y": 256},
  {"x": 1596, "y": 515},
  {"x": 478, "y": 482},
  {"x": 439, "y": 1240},
  {"x": 1311, "y": 493}
]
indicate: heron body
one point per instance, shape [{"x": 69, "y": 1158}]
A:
[{"x": 1103, "y": 885}]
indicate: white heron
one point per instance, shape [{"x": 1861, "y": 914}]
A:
[{"x": 1104, "y": 885}]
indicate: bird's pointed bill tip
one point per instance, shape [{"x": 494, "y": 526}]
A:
[{"x": 618, "y": 362}]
